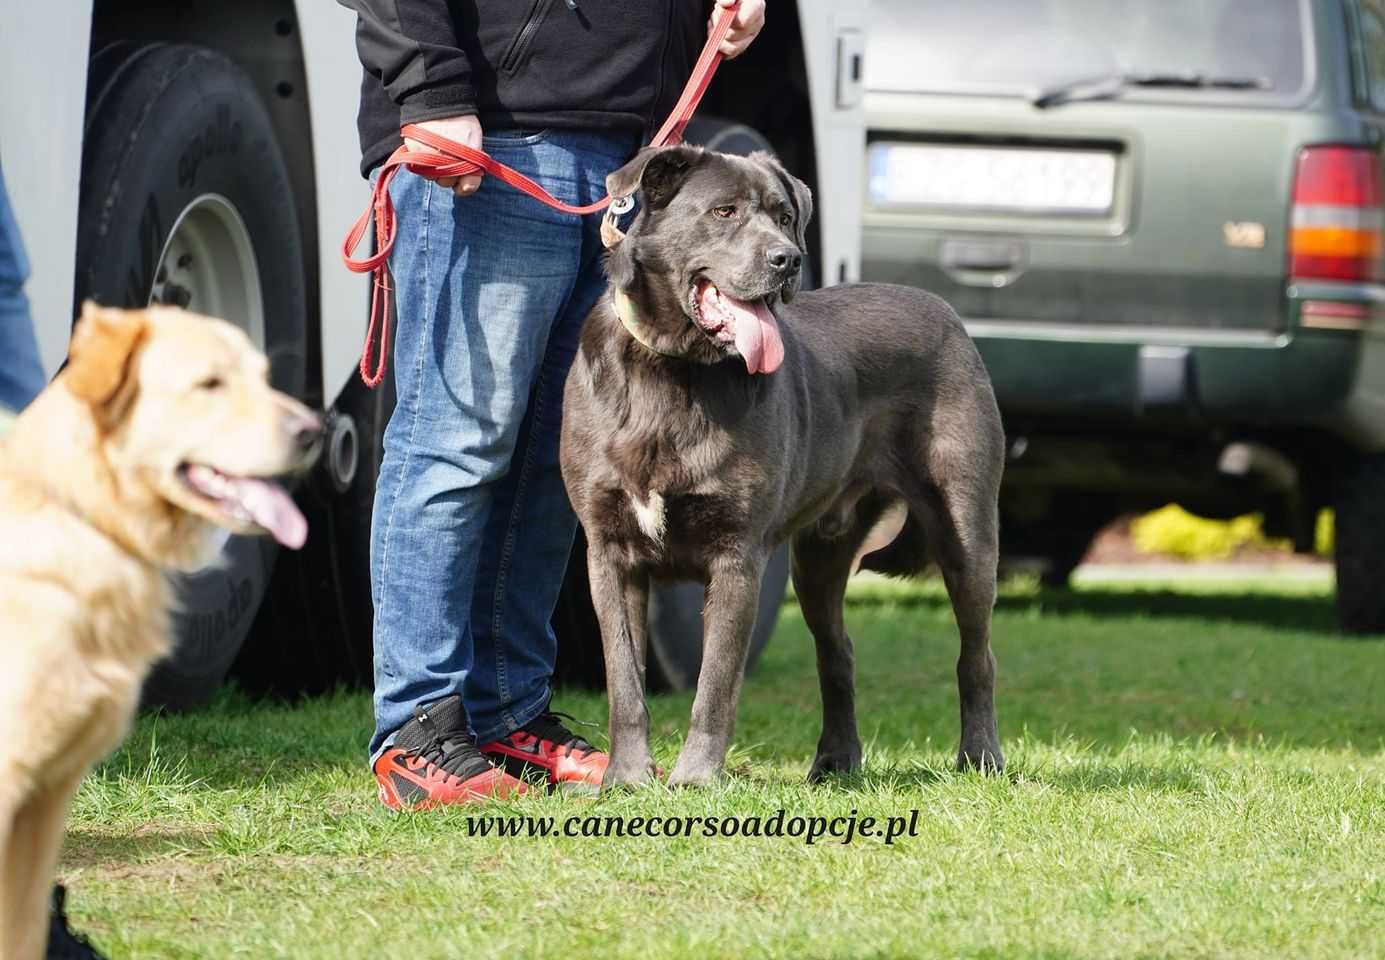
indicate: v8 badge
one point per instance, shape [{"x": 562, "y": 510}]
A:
[{"x": 1244, "y": 234}]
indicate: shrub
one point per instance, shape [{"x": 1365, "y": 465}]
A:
[
  {"x": 1324, "y": 536},
  {"x": 1173, "y": 530}
]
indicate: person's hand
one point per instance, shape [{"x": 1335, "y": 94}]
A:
[
  {"x": 463, "y": 130},
  {"x": 745, "y": 28}
]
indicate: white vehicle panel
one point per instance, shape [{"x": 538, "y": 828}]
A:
[
  {"x": 328, "y": 32},
  {"x": 41, "y": 153},
  {"x": 831, "y": 34}
]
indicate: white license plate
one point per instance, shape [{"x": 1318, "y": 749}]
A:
[{"x": 992, "y": 178}]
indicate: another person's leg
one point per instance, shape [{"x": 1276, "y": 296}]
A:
[
  {"x": 478, "y": 283},
  {"x": 21, "y": 371},
  {"x": 531, "y": 529}
]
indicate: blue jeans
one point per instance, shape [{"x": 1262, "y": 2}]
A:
[
  {"x": 21, "y": 371},
  {"x": 472, "y": 527}
]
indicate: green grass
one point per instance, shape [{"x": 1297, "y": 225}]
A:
[{"x": 1191, "y": 774}]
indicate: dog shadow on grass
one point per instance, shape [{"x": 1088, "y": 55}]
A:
[
  {"x": 1088, "y": 777},
  {"x": 1120, "y": 776},
  {"x": 101, "y": 849},
  {"x": 1308, "y": 614}
]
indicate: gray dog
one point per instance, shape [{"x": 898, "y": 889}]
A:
[{"x": 706, "y": 421}]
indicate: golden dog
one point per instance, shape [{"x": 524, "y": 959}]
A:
[{"x": 161, "y": 428}]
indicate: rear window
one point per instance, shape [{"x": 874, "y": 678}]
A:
[{"x": 1019, "y": 47}]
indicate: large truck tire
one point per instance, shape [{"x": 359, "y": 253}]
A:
[
  {"x": 1360, "y": 543},
  {"x": 315, "y": 628},
  {"x": 186, "y": 199}
]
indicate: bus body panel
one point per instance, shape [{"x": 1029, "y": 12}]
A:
[
  {"x": 328, "y": 32},
  {"x": 839, "y": 133},
  {"x": 44, "y": 55}
]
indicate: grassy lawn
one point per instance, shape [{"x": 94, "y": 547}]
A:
[{"x": 1191, "y": 774}]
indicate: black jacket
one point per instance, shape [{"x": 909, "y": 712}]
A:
[{"x": 614, "y": 65}]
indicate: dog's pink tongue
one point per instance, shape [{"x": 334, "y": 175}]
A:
[
  {"x": 755, "y": 329},
  {"x": 272, "y": 508},
  {"x": 757, "y": 336}
]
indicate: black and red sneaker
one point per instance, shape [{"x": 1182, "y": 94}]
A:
[
  {"x": 433, "y": 761},
  {"x": 545, "y": 751}
]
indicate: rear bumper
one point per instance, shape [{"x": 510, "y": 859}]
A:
[{"x": 1308, "y": 376}]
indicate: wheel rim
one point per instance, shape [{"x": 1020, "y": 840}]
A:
[{"x": 208, "y": 265}]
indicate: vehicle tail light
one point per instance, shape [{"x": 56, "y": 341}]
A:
[{"x": 1337, "y": 225}]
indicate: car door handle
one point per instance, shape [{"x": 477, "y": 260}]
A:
[{"x": 984, "y": 263}]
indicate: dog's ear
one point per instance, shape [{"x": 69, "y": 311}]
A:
[
  {"x": 103, "y": 347},
  {"x": 656, "y": 172},
  {"x": 801, "y": 198}
]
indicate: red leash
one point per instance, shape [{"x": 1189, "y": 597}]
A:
[{"x": 448, "y": 158}]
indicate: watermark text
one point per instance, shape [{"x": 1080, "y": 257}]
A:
[{"x": 810, "y": 829}]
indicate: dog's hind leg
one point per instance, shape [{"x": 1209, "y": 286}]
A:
[
  {"x": 733, "y": 594},
  {"x": 962, "y": 528}
]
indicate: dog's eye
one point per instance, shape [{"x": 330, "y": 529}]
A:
[
  {"x": 786, "y": 219},
  {"x": 724, "y": 212},
  {"x": 211, "y": 383}
]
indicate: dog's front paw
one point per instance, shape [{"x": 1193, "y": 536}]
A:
[
  {"x": 632, "y": 774},
  {"x": 691, "y": 772}
]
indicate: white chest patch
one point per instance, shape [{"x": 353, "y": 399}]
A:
[{"x": 649, "y": 514}]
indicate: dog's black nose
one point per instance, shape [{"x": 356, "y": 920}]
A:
[{"x": 785, "y": 259}]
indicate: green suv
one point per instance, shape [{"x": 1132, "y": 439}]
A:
[{"x": 1162, "y": 223}]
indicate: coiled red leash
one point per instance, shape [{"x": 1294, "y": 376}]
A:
[{"x": 447, "y": 158}]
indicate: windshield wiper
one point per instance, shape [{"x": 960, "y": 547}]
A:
[{"x": 1112, "y": 86}]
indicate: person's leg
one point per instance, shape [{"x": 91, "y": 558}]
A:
[
  {"x": 21, "y": 371},
  {"x": 532, "y": 525},
  {"x": 478, "y": 283}
]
